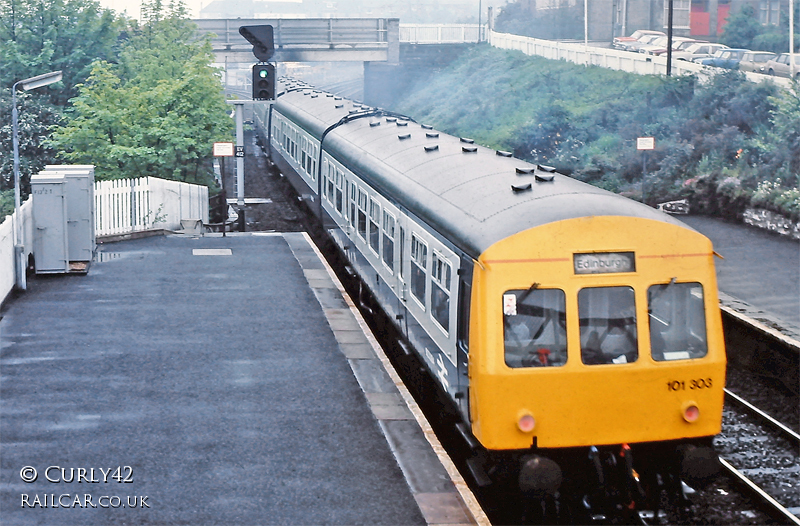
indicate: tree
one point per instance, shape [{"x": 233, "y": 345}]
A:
[
  {"x": 157, "y": 112},
  {"x": 36, "y": 117},
  {"x": 37, "y": 36}
]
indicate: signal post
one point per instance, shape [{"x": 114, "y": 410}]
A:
[{"x": 264, "y": 86}]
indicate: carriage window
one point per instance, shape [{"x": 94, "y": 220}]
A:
[
  {"x": 534, "y": 327},
  {"x": 339, "y": 190},
  {"x": 607, "y": 317},
  {"x": 677, "y": 321},
  {"x": 374, "y": 228},
  {"x": 388, "y": 240},
  {"x": 419, "y": 258},
  {"x": 362, "y": 214},
  {"x": 402, "y": 257},
  {"x": 352, "y": 205},
  {"x": 329, "y": 183},
  {"x": 440, "y": 291}
]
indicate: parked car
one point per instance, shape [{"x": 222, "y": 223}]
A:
[
  {"x": 622, "y": 42},
  {"x": 755, "y": 61},
  {"x": 659, "y": 46},
  {"x": 779, "y": 66},
  {"x": 725, "y": 58},
  {"x": 645, "y": 40},
  {"x": 698, "y": 50}
]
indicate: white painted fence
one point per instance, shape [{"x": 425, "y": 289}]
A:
[
  {"x": 131, "y": 205},
  {"x": 7, "y": 274},
  {"x": 640, "y": 63},
  {"x": 121, "y": 206}
]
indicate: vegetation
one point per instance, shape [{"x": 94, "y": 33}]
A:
[
  {"x": 743, "y": 30},
  {"x": 716, "y": 143},
  {"x": 135, "y": 100},
  {"x": 156, "y": 112}
]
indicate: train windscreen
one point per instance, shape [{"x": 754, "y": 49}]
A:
[
  {"x": 677, "y": 321},
  {"x": 534, "y": 327}
]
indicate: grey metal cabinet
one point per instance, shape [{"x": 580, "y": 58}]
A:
[
  {"x": 79, "y": 181},
  {"x": 50, "y": 239}
]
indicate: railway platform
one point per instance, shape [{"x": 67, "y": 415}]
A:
[
  {"x": 758, "y": 275},
  {"x": 210, "y": 380}
]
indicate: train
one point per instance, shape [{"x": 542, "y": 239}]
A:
[{"x": 575, "y": 333}]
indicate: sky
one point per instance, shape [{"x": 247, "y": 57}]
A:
[{"x": 131, "y": 7}]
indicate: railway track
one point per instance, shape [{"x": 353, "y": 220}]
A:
[{"x": 759, "y": 455}]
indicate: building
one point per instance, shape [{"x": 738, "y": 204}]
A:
[{"x": 702, "y": 19}]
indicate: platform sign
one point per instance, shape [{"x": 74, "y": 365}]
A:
[
  {"x": 223, "y": 149},
  {"x": 240, "y": 151},
  {"x": 646, "y": 143}
]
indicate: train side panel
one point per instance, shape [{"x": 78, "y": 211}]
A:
[{"x": 630, "y": 394}]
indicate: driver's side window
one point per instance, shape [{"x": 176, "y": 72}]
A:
[{"x": 534, "y": 327}]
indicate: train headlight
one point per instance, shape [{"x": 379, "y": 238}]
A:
[
  {"x": 691, "y": 413},
  {"x": 526, "y": 422}
]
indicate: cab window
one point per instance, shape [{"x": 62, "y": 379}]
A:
[
  {"x": 607, "y": 318},
  {"x": 677, "y": 321},
  {"x": 534, "y": 327}
]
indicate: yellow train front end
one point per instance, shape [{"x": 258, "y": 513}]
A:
[{"x": 597, "y": 331}]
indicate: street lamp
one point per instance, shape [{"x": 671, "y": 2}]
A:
[{"x": 19, "y": 252}]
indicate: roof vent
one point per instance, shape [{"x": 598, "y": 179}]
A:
[
  {"x": 469, "y": 149},
  {"x": 391, "y": 119},
  {"x": 468, "y": 141},
  {"x": 402, "y": 123},
  {"x": 354, "y": 111},
  {"x": 426, "y": 126},
  {"x": 517, "y": 188},
  {"x": 525, "y": 171},
  {"x": 314, "y": 96},
  {"x": 431, "y": 148},
  {"x": 544, "y": 178},
  {"x": 337, "y": 98},
  {"x": 546, "y": 168},
  {"x": 430, "y": 135},
  {"x": 339, "y": 106},
  {"x": 375, "y": 123},
  {"x": 503, "y": 154},
  {"x": 404, "y": 136},
  {"x": 329, "y": 94}
]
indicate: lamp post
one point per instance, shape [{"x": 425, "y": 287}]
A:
[{"x": 19, "y": 249}]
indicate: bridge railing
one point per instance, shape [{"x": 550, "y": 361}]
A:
[{"x": 441, "y": 33}]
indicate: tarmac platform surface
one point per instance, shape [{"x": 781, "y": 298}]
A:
[
  {"x": 229, "y": 381},
  {"x": 759, "y": 274}
]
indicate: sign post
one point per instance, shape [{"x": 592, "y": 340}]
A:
[{"x": 644, "y": 144}]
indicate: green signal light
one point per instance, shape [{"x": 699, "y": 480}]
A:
[{"x": 263, "y": 73}]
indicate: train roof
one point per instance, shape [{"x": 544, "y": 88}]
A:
[{"x": 472, "y": 195}]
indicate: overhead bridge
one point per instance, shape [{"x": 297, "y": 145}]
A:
[
  {"x": 309, "y": 39},
  {"x": 332, "y": 39}
]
